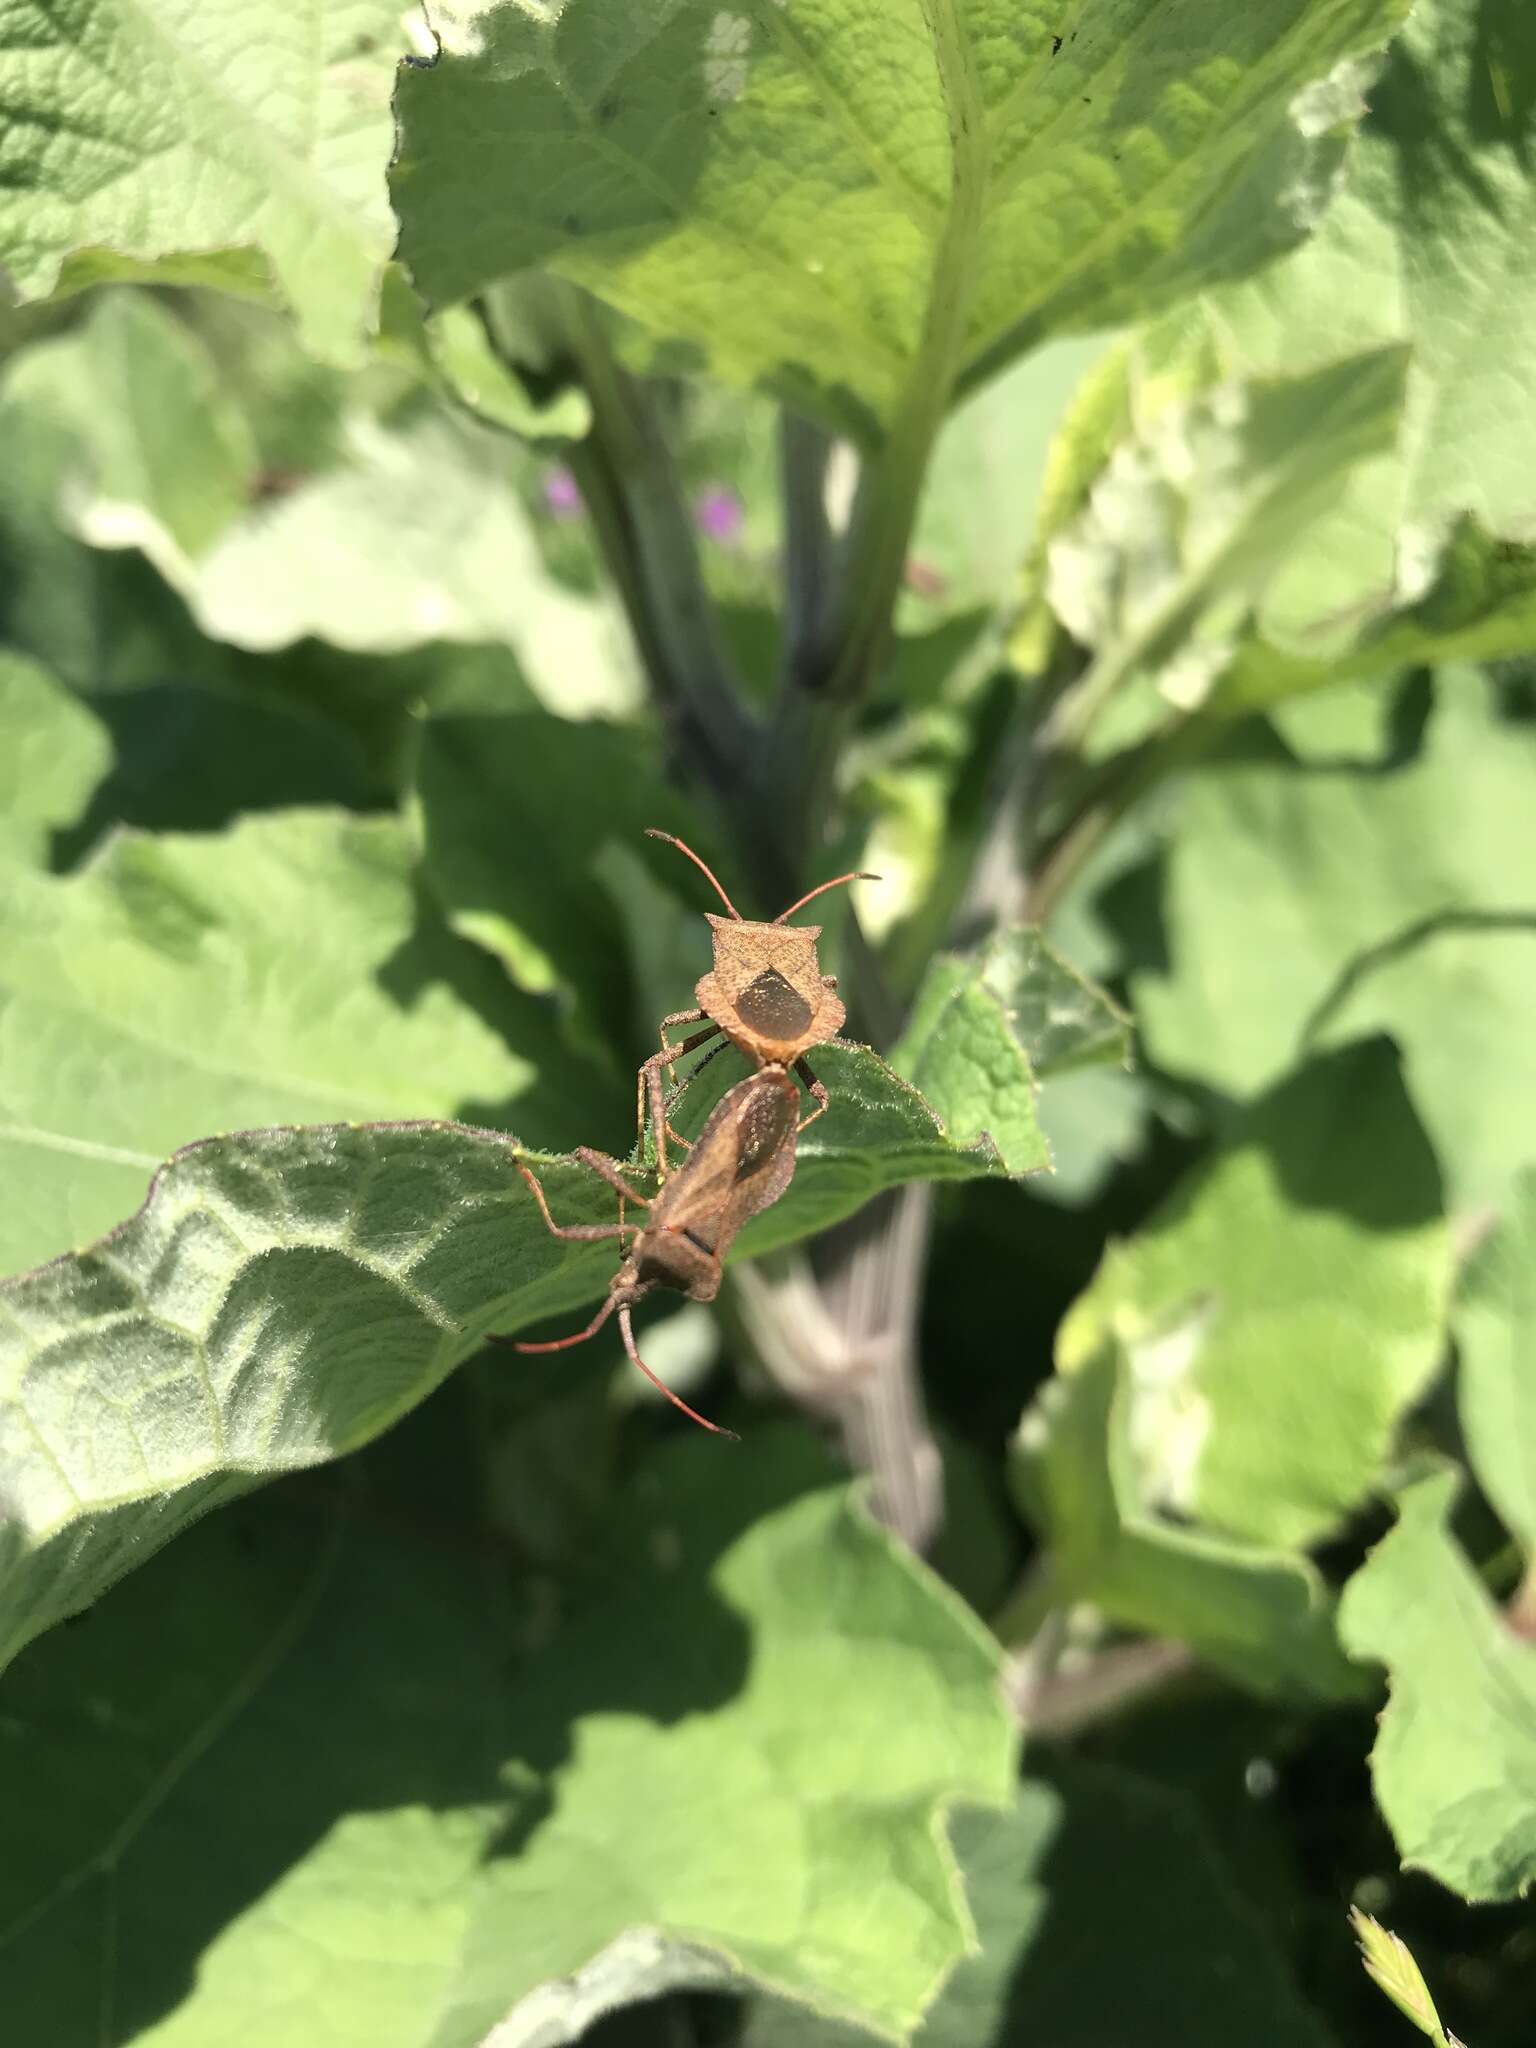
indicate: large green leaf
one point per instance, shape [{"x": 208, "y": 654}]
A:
[
  {"x": 1495, "y": 1325},
  {"x": 1089, "y": 1854},
  {"x": 282, "y": 970},
  {"x": 1261, "y": 1615},
  {"x": 1454, "y": 1765},
  {"x": 1400, "y": 900},
  {"x": 790, "y": 187},
  {"x": 285, "y": 1295},
  {"x": 195, "y": 142},
  {"x": 288, "y": 1767},
  {"x": 55, "y": 753},
  {"x": 1283, "y": 1309}
]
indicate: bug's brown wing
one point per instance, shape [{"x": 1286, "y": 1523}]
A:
[
  {"x": 766, "y": 1163},
  {"x": 741, "y": 1161}
]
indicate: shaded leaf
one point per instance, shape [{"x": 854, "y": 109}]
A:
[
  {"x": 828, "y": 1883},
  {"x": 1087, "y": 1850},
  {"x": 1284, "y": 1308},
  {"x": 181, "y": 146},
  {"x": 55, "y": 752},
  {"x": 1454, "y": 1766},
  {"x": 335, "y": 1703},
  {"x": 786, "y": 186},
  {"x": 1400, "y": 900},
  {"x": 1495, "y": 1322},
  {"x": 517, "y": 810},
  {"x": 278, "y": 971},
  {"x": 1260, "y": 1615}
]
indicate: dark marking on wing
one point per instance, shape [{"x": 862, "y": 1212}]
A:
[
  {"x": 766, "y": 1122},
  {"x": 771, "y": 1006}
]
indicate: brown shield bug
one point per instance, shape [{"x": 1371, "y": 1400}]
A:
[
  {"x": 766, "y": 992},
  {"x": 741, "y": 1162}
]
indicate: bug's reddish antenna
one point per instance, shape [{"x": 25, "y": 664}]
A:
[
  {"x": 652, "y": 832},
  {"x": 857, "y": 875},
  {"x": 627, "y": 1333},
  {"x": 564, "y": 1343}
]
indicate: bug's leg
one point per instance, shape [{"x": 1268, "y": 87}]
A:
[
  {"x": 627, "y": 1333},
  {"x": 721, "y": 1045},
  {"x": 577, "y": 1233},
  {"x": 650, "y": 1085},
  {"x": 818, "y": 1094},
  {"x": 606, "y": 1169},
  {"x": 558, "y": 1343},
  {"x": 829, "y": 981}
]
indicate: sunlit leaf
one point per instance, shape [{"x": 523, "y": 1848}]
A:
[
  {"x": 787, "y": 186},
  {"x": 198, "y": 145},
  {"x": 1283, "y": 1308},
  {"x": 1454, "y": 1767}
]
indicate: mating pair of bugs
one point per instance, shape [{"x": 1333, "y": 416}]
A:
[{"x": 767, "y": 996}]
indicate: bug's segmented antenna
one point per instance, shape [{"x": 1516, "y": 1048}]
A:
[
  {"x": 855, "y": 875},
  {"x": 654, "y": 832}
]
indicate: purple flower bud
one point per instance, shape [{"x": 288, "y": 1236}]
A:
[
  {"x": 720, "y": 515},
  {"x": 561, "y": 494}
]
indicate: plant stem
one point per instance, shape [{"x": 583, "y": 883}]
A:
[
  {"x": 816, "y": 717},
  {"x": 811, "y": 551},
  {"x": 629, "y": 482}
]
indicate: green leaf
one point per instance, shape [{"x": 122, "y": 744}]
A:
[
  {"x": 1495, "y": 1323},
  {"x": 786, "y": 187},
  {"x": 289, "y": 1763},
  {"x": 416, "y": 536},
  {"x": 165, "y": 460},
  {"x": 964, "y": 1051},
  {"x": 1191, "y": 518},
  {"x": 832, "y": 1881},
  {"x": 1090, "y": 1855},
  {"x": 517, "y": 810},
  {"x": 1261, "y": 1615},
  {"x": 285, "y": 1295},
  {"x": 453, "y": 351},
  {"x": 1284, "y": 1308},
  {"x": 1390, "y": 1966},
  {"x": 1397, "y": 901},
  {"x": 1479, "y": 606},
  {"x": 1454, "y": 1767},
  {"x": 281, "y": 970},
  {"x": 1064, "y": 1020},
  {"x": 190, "y": 145},
  {"x": 1426, "y": 243},
  {"x": 55, "y": 753}
]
